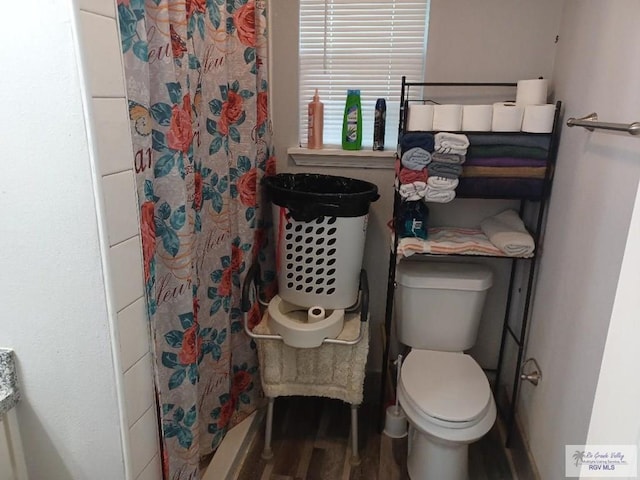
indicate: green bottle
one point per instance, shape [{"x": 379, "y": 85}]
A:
[{"x": 352, "y": 123}]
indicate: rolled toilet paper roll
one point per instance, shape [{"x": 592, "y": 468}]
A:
[
  {"x": 447, "y": 118},
  {"x": 316, "y": 314},
  {"x": 531, "y": 92},
  {"x": 420, "y": 118},
  {"x": 507, "y": 117},
  {"x": 538, "y": 118},
  {"x": 477, "y": 118}
]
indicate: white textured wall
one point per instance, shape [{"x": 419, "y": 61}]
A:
[
  {"x": 596, "y": 69},
  {"x": 491, "y": 40},
  {"x": 615, "y": 418},
  {"x": 464, "y": 36},
  {"x": 52, "y": 291}
]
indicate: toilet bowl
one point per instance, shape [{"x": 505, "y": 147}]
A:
[
  {"x": 443, "y": 392},
  {"x": 448, "y": 402}
]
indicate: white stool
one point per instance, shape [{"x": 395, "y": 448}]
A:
[{"x": 330, "y": 370}]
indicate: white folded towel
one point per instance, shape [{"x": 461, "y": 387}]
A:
[
  {"x": 507, "y": 232},
  {"x": 334, "y": 371},
  {"x": 412, "y": 197},
  {"x": 442, "y": 183},
  {"x": 438, "y": 195},
  {"x": 455, "y": 143},
  {"x": 412, "y": 191}
]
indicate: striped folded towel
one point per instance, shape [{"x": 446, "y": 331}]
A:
[
  {"x": 447, "y": 170},
  {"x": 455, "y": 143},
  {"x": 439, "y": 195},
  {"x": 412, "y": 191},
  {"x": 450, "y": 240},
  {"x": 442, "y": 183}
]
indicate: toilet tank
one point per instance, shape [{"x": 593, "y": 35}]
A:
[{"x": 438, "y": 305}]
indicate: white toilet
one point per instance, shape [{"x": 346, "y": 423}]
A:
[{"x": 443, "y": 391}]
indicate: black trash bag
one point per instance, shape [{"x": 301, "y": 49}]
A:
[{"x": 309, "y": 196}]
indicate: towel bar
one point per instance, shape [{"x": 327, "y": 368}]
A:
[{"x": 590, "y": 122}]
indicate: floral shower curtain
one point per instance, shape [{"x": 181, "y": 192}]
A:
[{"x": 196, "y": 79}]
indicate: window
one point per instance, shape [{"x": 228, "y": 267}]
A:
[{"x": 366, "y": 45}]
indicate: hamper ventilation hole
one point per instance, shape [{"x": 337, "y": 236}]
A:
[
  {"x": 332, "y": 231},
  {"x": 331, "y": 281},
  {"x": 332, "y": 241},
  {"x": 319, "y": 290},
  {"x": 320, "y": 241},
  {"x": 298, "y": 228},
  {"x": 331, "y": 220},
  {"x": 331, "y": 291},
  {"x": 320, "y": 231},
  {"x": 290, "y": 285},
  {"x": 308, "y": 289}
]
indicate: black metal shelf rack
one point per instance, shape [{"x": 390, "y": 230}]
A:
[{"x": 508, "y": 411}]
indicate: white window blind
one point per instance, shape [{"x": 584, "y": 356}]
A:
[{"x": 367, "y": 45}]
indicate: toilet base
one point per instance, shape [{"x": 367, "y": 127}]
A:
[{"x": 434, "y": 459}]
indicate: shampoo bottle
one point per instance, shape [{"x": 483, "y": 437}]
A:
[
  {"x": 352, "y": 123},
  {"x": 379, "y": 124},
  {"x": 315, "y": 113}
]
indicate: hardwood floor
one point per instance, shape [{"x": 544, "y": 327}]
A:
[{"x": 311, "y": 442}]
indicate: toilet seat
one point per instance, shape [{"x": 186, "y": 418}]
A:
[{"x": 449, "y": 389}]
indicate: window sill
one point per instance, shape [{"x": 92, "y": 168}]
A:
[{"x": 336, "y": 157}]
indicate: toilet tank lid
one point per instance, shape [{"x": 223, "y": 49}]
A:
[{"x": 445, "y": 276}]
